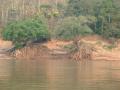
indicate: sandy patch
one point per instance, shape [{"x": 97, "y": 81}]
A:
[{"x": 5, "y": 44}]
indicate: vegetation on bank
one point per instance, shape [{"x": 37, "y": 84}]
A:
[
  {"x": 71, "y": 27},
  {"x": 26, "y": 31},
  {"x": 66, "y": 21}
]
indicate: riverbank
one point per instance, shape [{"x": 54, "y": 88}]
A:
[
  {"x": 103, "y": 49},
  {"x": 56, "y": 48}
]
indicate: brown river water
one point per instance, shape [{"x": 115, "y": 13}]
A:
[{"x": 59, "y": 74}]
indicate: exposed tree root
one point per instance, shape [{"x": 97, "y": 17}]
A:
[{"x": 82, "y": 51}]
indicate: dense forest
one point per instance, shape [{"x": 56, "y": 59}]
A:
[
  {"x": 24, "y": 21},
  {"x": 17, "y": 9}
]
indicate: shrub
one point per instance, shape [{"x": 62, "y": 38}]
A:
[
  {"x": 71, "y": 27},
  {"x": 111, "y": 32},
  {"x": 21, "y": 32}
]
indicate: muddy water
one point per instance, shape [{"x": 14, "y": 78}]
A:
[{"x": 59, "y": 75}]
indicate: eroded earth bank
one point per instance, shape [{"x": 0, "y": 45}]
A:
[{"x": 103, "y": 49}]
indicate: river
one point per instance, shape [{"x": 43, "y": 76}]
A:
[{"x": 59, "y": 74}]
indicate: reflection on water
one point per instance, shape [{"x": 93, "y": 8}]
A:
[{"x": 59, "y": 75}]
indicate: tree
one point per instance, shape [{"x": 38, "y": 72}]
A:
[
  {"x": 104, "y": 13},
  {"x": 24, "y": 31},
  {"x": 72, "y": 27},
  {"x": 74, "y": 8}
]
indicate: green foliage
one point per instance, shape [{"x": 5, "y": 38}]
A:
[
  {"x": 111, "y": 33},
  {"x": 76, "y": 17},
  {"x": 107, "y": 14},
  {"x": 72, "y": 27},
  {"x": 74, "y": 8},
  {"x": 80, "y": 7},
  {"x": 49, "y": 11},
  {"x": 21, "y": 32}
]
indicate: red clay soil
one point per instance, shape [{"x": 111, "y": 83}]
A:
[
  {"x": 100, "y": 54},
  {"x": 5, "y": 44}
]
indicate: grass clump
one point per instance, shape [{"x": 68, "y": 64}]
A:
[{"x": 109, "y": 47}]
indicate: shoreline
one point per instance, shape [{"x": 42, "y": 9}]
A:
[{"x": 55, "y": 48}]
